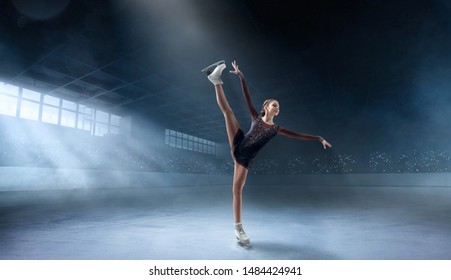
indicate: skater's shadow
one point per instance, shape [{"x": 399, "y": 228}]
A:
[{"x": 273, "y": 250}]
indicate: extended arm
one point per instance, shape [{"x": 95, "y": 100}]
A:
[
  {"x": 245, "y": 89},
  {"x": 299, "y": 136}
]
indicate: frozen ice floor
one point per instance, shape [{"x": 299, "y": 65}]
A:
[{"x": 283, "y": 222}]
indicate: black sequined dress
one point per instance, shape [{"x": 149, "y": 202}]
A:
[{"x": 246, "y": 147}]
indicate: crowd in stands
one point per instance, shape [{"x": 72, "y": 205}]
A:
[{"x": 99, "y": 153}]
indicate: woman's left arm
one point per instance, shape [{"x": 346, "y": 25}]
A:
[
  {"x": 245, "y": 89},
  {"x": 299, "y": 136}
]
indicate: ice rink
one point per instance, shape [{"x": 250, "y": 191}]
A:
[{"x": 193, "y": 222}]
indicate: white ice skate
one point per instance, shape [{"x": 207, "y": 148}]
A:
[
  {"x": 209, "y": 69},
  {"x": 215, "y": 75},
  {"x": 241, "y": 235}
]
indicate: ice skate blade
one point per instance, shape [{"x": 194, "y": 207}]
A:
[
  {"x": 244, "y": 244},
  {"x": 207, "y": 70}
]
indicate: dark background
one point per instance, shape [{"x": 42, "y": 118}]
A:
[{"x": 365, "y": 75}]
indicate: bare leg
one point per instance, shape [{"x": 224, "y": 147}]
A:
[
  {"x": 232, "y": 125},
  {"x": 239, "y": 179}
]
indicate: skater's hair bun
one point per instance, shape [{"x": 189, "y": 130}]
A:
[{"x": 266, "y": 103}]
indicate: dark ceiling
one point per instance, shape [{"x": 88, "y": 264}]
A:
[{"x": 332, "y": 64}]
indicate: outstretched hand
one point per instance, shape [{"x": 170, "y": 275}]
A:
[
  {"x": 326, "y": 144},
  {"x": 235, "y": 66}
]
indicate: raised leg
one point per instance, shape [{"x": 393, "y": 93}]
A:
[{"x": 232, "y": 125}]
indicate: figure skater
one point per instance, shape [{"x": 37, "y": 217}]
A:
[{"x": 244, "y": 147}]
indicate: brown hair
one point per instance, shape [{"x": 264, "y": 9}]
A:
[{"x": 266, "y": 103}]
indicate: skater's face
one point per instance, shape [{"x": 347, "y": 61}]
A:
[{"x": 272, "y": 108}]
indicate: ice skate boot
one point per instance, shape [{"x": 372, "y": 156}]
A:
[
  {"x": 241, "y": 235},
  {"x": 209, "y": 69},
  {"x": 215, "y": 75}
]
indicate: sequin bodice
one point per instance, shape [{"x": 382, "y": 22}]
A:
[{"x": 257, "y": 137}]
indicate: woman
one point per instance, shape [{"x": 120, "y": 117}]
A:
[{"x": 244, "y": 147}]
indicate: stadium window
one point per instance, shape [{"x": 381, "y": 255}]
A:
[
  {"x": 26, "y": 104},
  {"x": 9, "y": 89},
  {"x": 31, "y": 95},
  {"x": 115, "y": 122},
  {"x": 8, "y": 99},
  {"x": 29, "y": 110},
  {"x": 101, "y": 129},
  {"x": 68, "y": 114},
  {"x": 87, "y": 125},
  {"x": 83, "y": 109},
  {"x": 69, "y": 105},
  {"x": 29, "y": 105},
  {"x": 101, "y": 123},
  {"x": 166, "y": 136},
  {"x": 101, "y": 117},
  {"x": 184, "y": 141},
  {"x": 51, "y": 100},
  {"x": 50, "y": 109},
  {"x": 68, "y": 118},
  {"x": 179, "y": 142},
  {"x": 172, "y": 142},
  {"x": 50, "y": 114},
  {"x": 8, "y": 105},
  {"x": 85, "y": 118}
]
